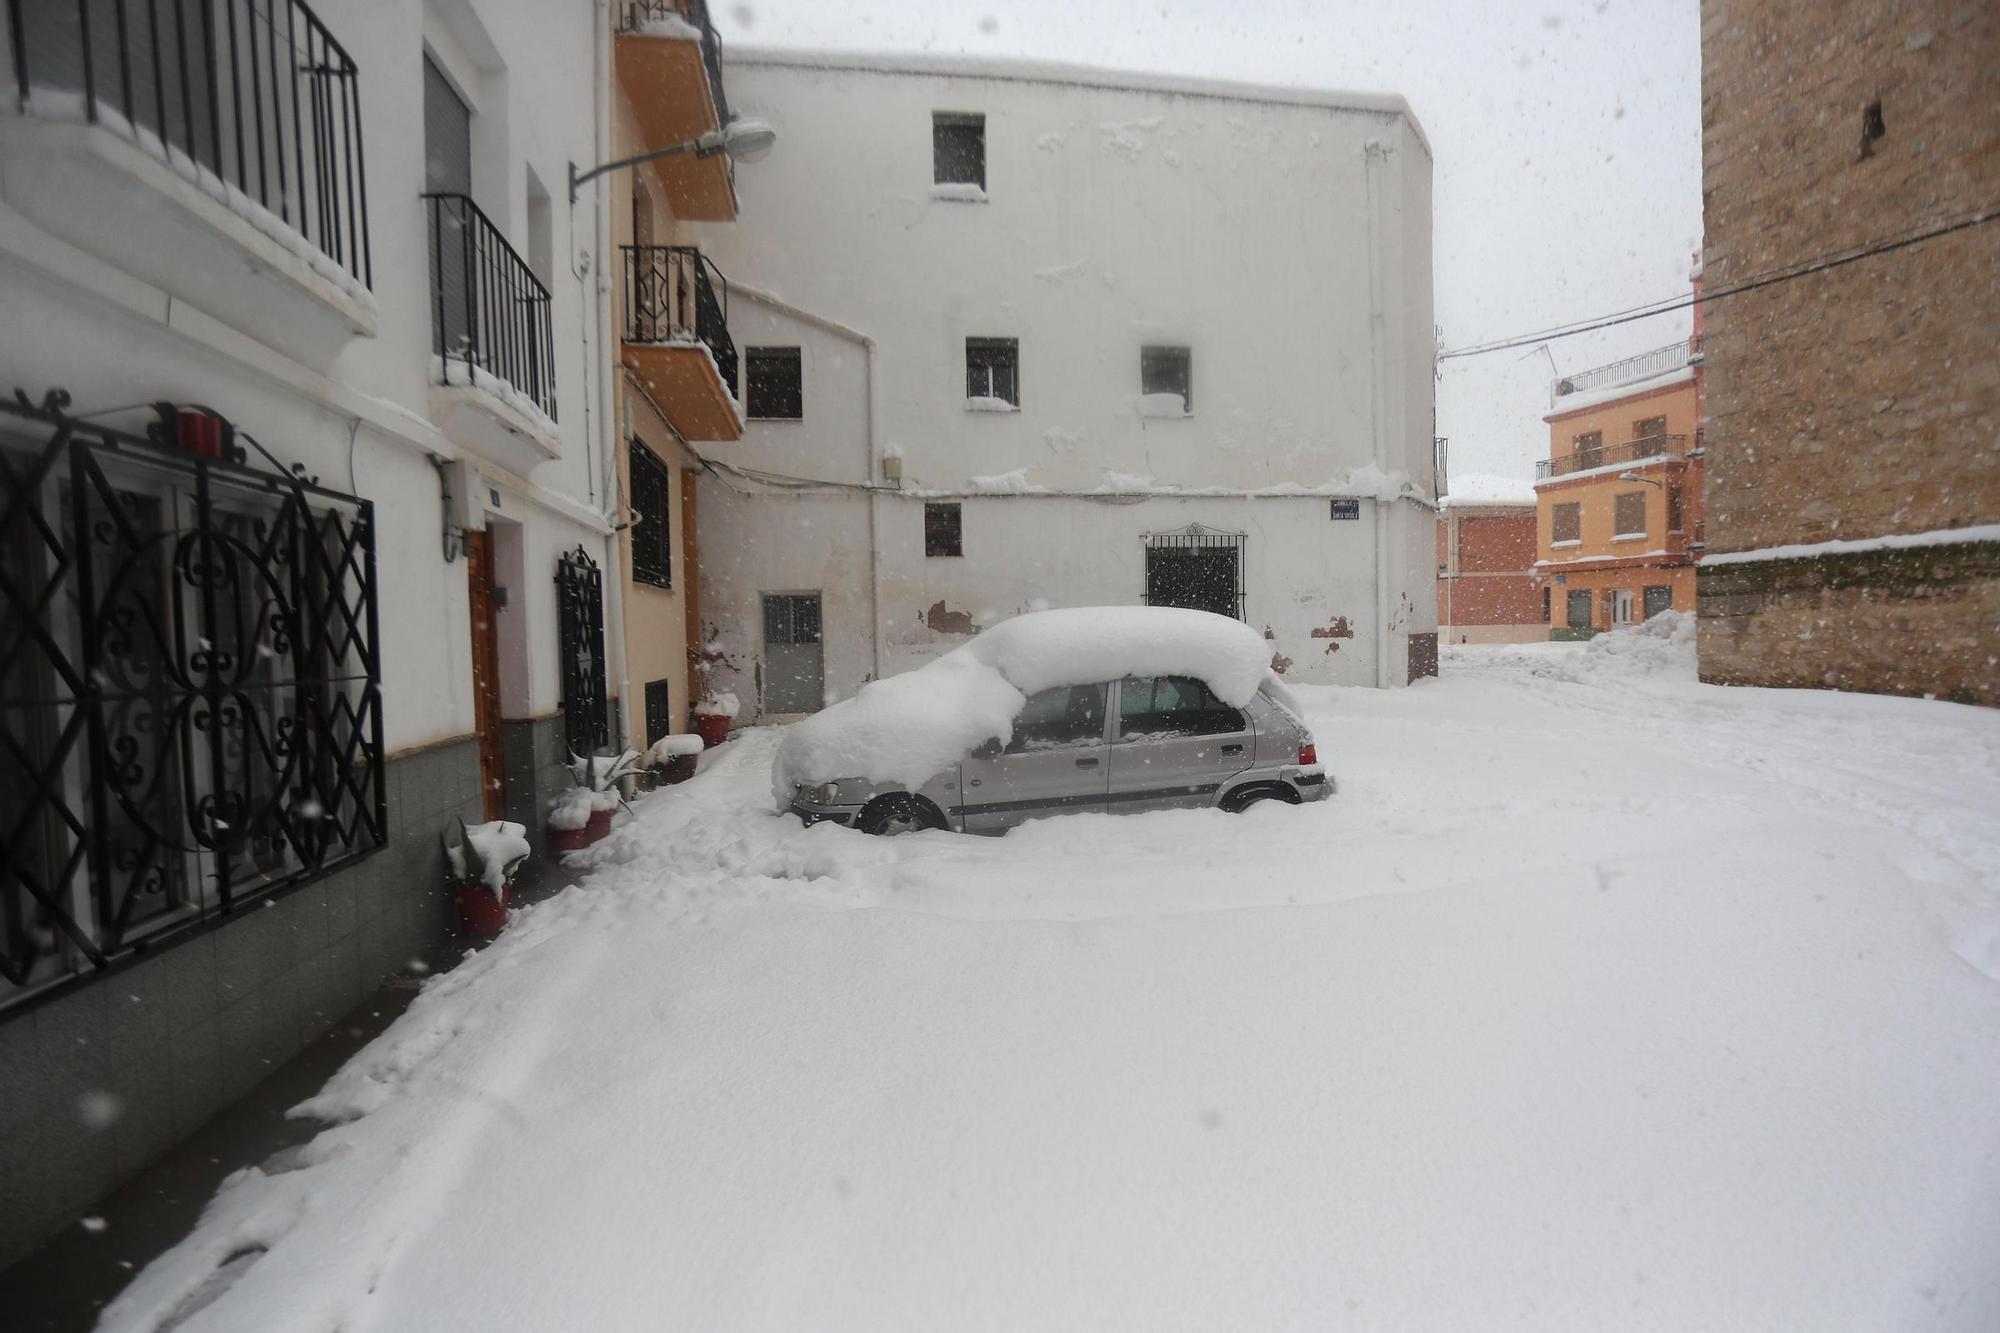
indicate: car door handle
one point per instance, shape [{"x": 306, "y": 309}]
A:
[
  {"x": 1232, "y": 749},
  {"x": 1086, "y": 763}
]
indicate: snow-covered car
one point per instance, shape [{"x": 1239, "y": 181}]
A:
[{"x": 1117, "y": 709}]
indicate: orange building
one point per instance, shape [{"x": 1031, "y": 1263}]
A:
[{"x": 1618, "y": 510}]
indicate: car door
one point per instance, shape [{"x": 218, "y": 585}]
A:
[
  {"x": 1174, "y": 744},
  {"x": 1054, "y": 764}
]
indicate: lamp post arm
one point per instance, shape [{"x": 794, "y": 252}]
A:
[{"x": 578, "y": 179}]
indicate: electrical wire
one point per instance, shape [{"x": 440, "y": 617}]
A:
[{"x": 1768, "y": 278}]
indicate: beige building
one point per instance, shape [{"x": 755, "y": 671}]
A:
[
  {"x": 1854, "y": 413},
  {"x": 678, "y": 373}
]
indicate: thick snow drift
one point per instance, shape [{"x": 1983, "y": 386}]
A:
[
  {"x": 1622, "y": 1002},
  {"x": 909, "y": 727}
]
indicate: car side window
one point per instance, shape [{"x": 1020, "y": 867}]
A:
[
  {"x": 1055, "y": 719},
  {"x": 1164, "y": 707}
]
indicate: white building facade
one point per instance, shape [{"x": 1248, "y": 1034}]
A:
[
  {"x": 267, "y": 675},
  {"x": 1019, "y": 336}
]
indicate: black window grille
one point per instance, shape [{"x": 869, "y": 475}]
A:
[
  {"x": 1196, "y": 567},
  {"x": 993, "y": 369},
  {"x": 255, "y": 92},
  {"x": 659, "y": 710},
  {"x": 580, "y": 650},
  {"x": 652, "y": 506},
  {"x": 774, "y": 384},
  {"x": 1168, "y": 370},
  {"x": 958, "y": 148},
  {"x": 944, "y": 530},
  {"x": 190, "y": 685}
]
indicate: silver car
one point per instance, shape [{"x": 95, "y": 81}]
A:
[{"x": 1142, "y": 743}]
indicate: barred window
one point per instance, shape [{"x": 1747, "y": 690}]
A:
[
  {"x": 943, "y": 530},
  {"x": 776, "y": 384},
  {"x": 652, "y": 497}
]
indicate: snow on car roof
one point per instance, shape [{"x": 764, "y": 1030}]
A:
[{"x": 907, "y": 728}]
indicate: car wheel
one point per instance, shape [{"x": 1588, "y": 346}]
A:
[
  {"x": 1237, "y": 802},
  {"x": 898, "y": 813}
]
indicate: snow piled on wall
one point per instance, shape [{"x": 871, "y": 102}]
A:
[{"x": 907, "y": 728}]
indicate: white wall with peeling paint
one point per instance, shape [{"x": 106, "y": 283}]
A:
[{"x": 1282, "y": 235}]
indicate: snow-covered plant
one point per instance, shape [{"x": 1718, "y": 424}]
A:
[
  {"x": 484, "y": 854},
  {"x": 603, "y": 772}
]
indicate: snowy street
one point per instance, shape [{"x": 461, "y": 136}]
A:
[{"x": 1595, "y": 998}]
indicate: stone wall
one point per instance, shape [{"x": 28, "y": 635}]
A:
[
  {"x": 178, "y": 1035},
  {"x": 1919, "y": 621},
  {"x": 1863, "y": 400}
]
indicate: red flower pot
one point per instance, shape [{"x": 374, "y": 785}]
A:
[
  {"x": 713, "y": 728},
  {"x": 481, "y": 911},
  {"x": 576, "y": 839},
  {"x": 677, "y": 769}
]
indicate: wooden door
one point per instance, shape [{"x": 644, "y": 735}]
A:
[{"x": 485, "y": 669}]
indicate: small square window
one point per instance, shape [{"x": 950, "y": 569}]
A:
[
  {"x": 775, "y": 384},
  {"x": 1630, "y": 514},
  {"x": 1566, "y": 522},
  {"x": 993, "y": 369},
  {"x": 958, "y": 149},
  {"x": 1168, "y": 370},
  {"x": 944, "y": 530}
]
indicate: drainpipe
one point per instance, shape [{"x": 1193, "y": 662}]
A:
[
  {"x": 874, "y": 499},
  {"x": 1375, "y": 155},
  {"x": 607, "y": 436}
]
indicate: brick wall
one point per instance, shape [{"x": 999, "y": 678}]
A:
[
  {"x": 1864, "y": 400},
  {"x": 1490, "y": 582}
]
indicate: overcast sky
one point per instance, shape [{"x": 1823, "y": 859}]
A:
[{"x": 1567, "y": 138}]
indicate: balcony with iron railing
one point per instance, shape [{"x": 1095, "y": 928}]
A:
[
  {"x": 676, "y": 336},
  {"x": 492, "y": 338},
  {"x": 1643, "y": 451},
  {"x": 669, "y": 60},
  {"x": 176, "y": 140}
]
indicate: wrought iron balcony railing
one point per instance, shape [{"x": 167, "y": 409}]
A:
[
  {"x": 190, "y": 685},
  {"x": 490, "y": 314},
  {"x": 252, "y": 99},
  {"x": 636, "y": 15},
  {"x": 670, "y": 296},
  {"x": 1632, "y": 451}
]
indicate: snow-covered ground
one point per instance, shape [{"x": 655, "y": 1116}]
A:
[{"x": 1597, "y": 998}]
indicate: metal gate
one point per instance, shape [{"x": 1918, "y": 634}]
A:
[
  {"x": 1196, "y": 567},
  {"x": 580, "y": 614},
  {"x": 794, "y": 664}
]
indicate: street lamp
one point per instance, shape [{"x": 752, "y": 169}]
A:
[
  {"x": 1644, "y": 481},
  {"x": 744, "y": 139}
]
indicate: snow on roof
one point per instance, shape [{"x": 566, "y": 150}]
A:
[
  {"x": 907, "y": 728},
  {"x": 1577, "y": 402},
  {"x": 1486, "y": 488},
  {"x": 1091, "y": 76}
]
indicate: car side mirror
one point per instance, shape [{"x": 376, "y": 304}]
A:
[{"x": 988, "y": 749}]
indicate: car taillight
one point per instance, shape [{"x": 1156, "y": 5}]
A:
[{"x": 1308, "y": 754}]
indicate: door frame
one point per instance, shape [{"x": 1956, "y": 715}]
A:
[
  {"x": 764, "y": 597},
  {"x": 482, "y": 618}
]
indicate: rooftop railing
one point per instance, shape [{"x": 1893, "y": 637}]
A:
[{"x": 1633, "y": 368}]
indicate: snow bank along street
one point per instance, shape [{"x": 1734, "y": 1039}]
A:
[{"x": 1597, "y": 998}]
